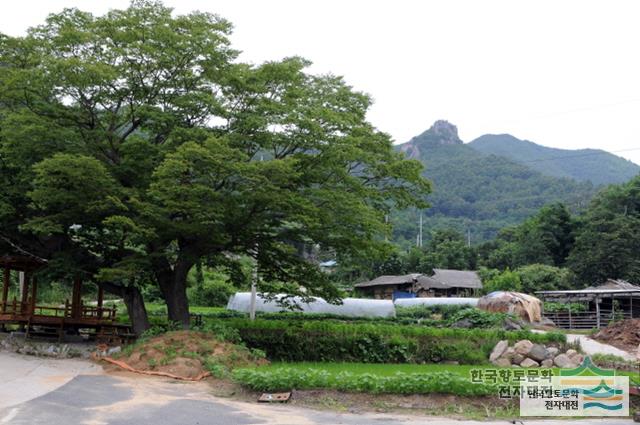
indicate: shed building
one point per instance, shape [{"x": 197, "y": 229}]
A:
[
  {"x": 613, "y": 300},
  {"x": 443, "y": 283}
]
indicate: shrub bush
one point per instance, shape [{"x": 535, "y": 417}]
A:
[
  {"x": 505, "y": 281},
  {"x": 442, "y": 311},
  {"x": 374, "y": 342},
  {"x": 479, "y": 318},
  {"x": 401, "y": 383},
  {"x": 214, "y": 290}
]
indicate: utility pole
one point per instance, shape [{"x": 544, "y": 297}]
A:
[
  {"x": 420, "y": 232},
  {"x": 386, "y": 221},
  {"x": 468, "y": 237},
  {"x": 254, "y": 284}
]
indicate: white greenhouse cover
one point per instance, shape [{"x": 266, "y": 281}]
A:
[
  {"x": 410, "y": 302},
  {"x": 354, "y": 307}
]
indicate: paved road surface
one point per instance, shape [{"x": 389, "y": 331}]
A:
[{"x": 61, "y": 392}]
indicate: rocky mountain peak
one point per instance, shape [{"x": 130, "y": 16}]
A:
[
  {"x": 444, "y": 132},
  {"x": 441, "y": 133}
]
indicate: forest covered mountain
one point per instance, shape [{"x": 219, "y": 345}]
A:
[
  {"x": 479, "y": 193},
  {"x": 594, "y": 165}
]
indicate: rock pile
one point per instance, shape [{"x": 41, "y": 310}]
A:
[
  {"x": 527, "y": 354},
  {"x": 16, "y": 343}
]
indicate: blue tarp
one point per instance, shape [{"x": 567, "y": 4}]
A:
[{"x": 402, "y": 294}]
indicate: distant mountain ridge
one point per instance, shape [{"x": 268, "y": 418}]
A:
[
  {"x": 594, "y": 165},
  {"x": 478, "y": 192}
]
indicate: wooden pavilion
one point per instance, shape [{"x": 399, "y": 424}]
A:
[{"x": 73, "y": 317}]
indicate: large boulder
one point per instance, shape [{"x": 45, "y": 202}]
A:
[
  {"x": 523, "y": 347},
  {"x": 498, "y": 350},
  {"x": 528, "y": 363},
  {"x": 547, "y": 363},
  {"x": 502, "y": 362},
  {"x": 577, "y": 358},
  {"x": 571, "y": 352},
  {"x": 517, "y": 358},
  {"x": 564, "y": 362},
  {"x": 552, "y": 352},
  {"x": 538, "y": 352}
]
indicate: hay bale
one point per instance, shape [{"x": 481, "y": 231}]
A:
[{"x": 525, "y": 306}]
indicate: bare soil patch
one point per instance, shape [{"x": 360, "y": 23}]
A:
[{"x": 624, "y": 334}]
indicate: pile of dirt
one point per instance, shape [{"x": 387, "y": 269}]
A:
[
  {"x": 624, "y": 334},
  {"x": 187, "y": 354}
]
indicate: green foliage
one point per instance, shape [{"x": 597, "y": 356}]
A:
[
  {"x": 540, "y": 277},
  {"x": 374, "y": 342},
  {"x": 287, "y": 379},
  {"x": 505, "y": 281},
  {"x": 608, "y": 241},
  {"x": 552, "y": 307},
  {"x": 479, "y": 318},
  {"x": 596, "y": 166},
  {"x": 221, "y": 331},
  {"x": 546, "y": 238},
  {"x": 443, "y": 311},
  {"x": 214, "y": 289},
  {"x": 140, "y": 144},
  {"x": 447, "y": 315}
]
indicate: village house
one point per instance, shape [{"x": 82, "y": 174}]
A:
[{"x": 443, "y": 283}]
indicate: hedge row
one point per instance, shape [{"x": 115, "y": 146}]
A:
[
  {"x": 286, "y": 379},
  {"x": 375, "y": 342}
]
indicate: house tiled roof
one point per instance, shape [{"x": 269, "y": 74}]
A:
[{"x": 441, "y": 279}]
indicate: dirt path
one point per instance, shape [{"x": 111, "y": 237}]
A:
[{"x": 591, "y": 346}]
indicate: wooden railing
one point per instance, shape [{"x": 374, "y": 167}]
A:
[
  {"x": 585, "y": 319},
  {"x": 16, "y": 308}
]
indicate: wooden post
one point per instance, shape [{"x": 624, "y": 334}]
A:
[
  {"x": 34, "y": 294},
  {"x": 631, "y": 306},
  {"x": 24, "y": 299},
  {"x": 613, "y": 308},
  {"x": 5, "y": 288},
  {"x": 100, "y": 301},
  {"x": 76, "y": 309},
  {"x": 570, "y": 325},
  {"x": 597, "y": 300}
]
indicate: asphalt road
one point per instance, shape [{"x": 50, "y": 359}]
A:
[{"x": 51, "y": 392}]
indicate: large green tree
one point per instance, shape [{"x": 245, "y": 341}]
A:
[
  {"x": 608, "y": 242},
  {"x": 134, "y": 144},
  {"x": 546, "y": 238}
]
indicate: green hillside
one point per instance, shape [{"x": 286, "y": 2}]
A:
[
  {"x": 479, "y": 192},
  {"x": 596, "y": 166}
]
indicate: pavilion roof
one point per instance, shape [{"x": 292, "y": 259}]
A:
[{"x": 21, "y": 263}]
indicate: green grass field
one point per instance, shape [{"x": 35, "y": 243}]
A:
[
  {"x": 391, "y": 369},
  {"x": 375, "y": 368}
]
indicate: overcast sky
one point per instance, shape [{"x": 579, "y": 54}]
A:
[{"x": 559, "y": 73}]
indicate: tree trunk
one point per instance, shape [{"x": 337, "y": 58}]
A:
[
  {"x": 135, "y": 305},
  {"x": 137, "y": 311},
  {"x": 173, "y": 285}
]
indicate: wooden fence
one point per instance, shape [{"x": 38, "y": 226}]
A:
[{"x": 585, "y": 319}]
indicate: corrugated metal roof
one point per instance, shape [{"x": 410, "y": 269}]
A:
[{"x": 611, "y": 286}]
